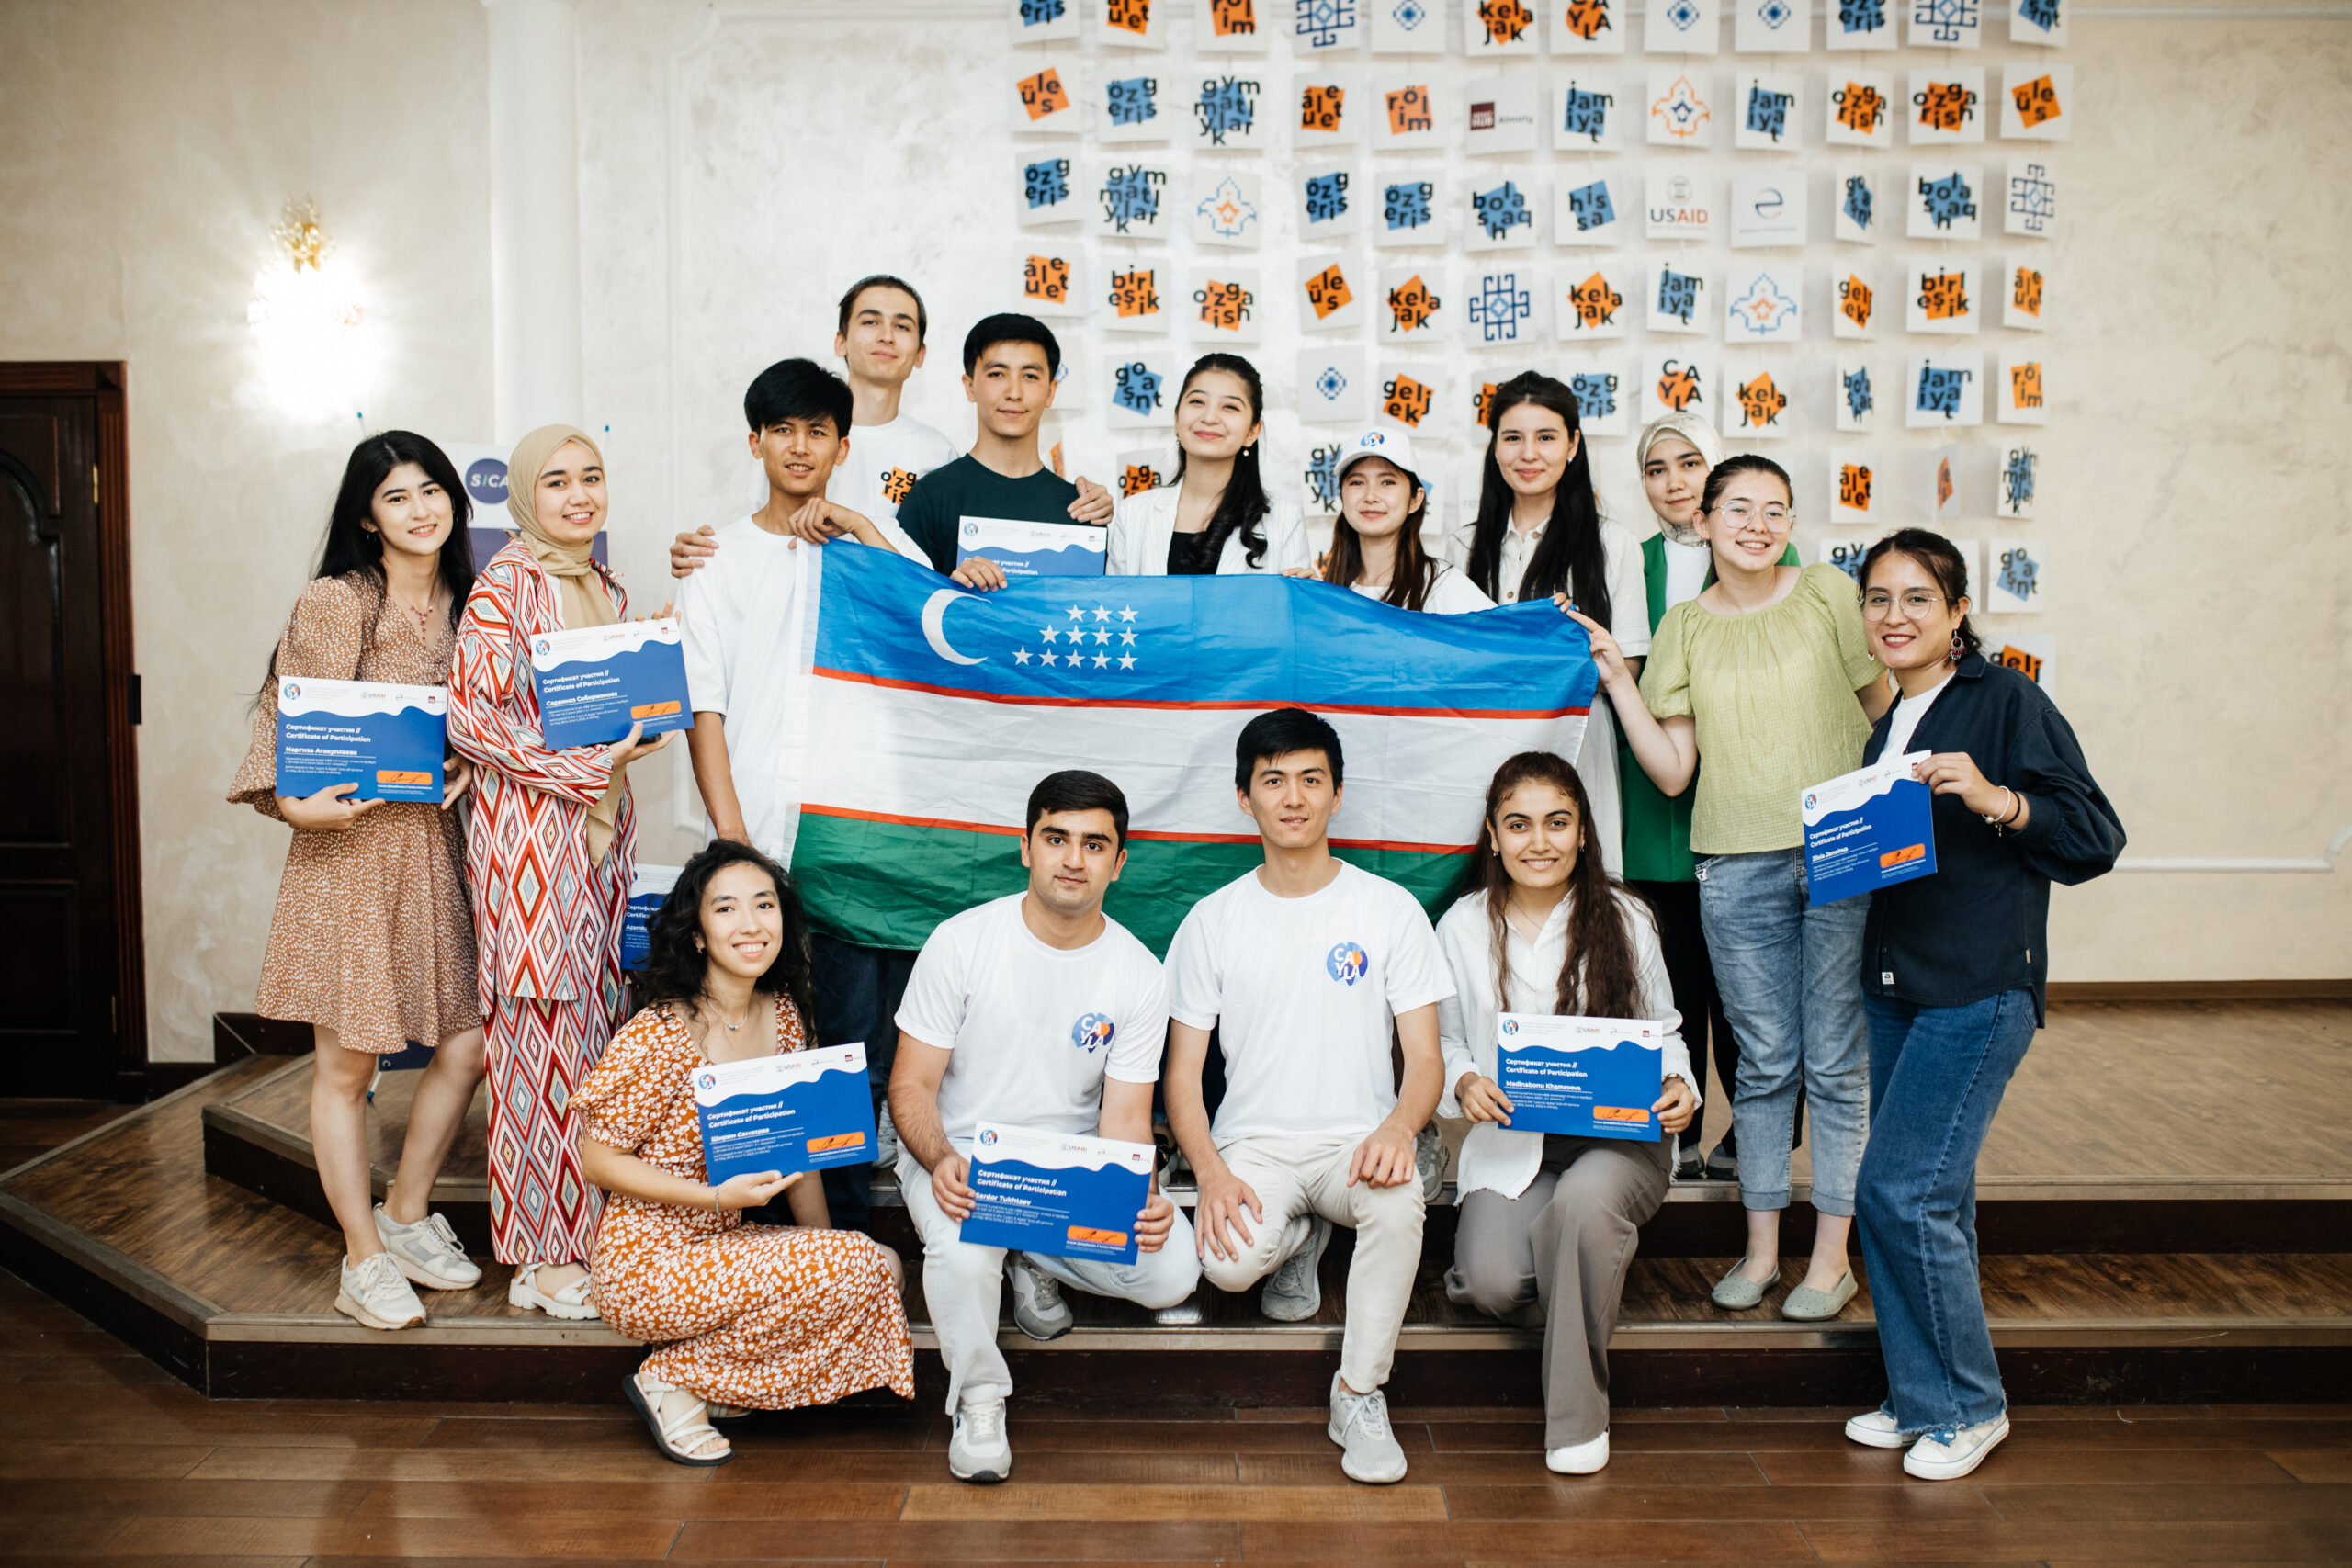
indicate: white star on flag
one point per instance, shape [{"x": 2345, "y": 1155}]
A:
[
  {"x": 1101, "y": 613},
  {"x": 1102, "y": 662},
  {"x": 1127, "y": 614},
  {"x": 1051, "y": 659},
  {"x": 1020, "y": 656},
  {"x": 1076, "y": 614},
  {"x": 1126, "y": 661}
]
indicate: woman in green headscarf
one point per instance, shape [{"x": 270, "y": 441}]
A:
[{"x": 548, "y": 855}]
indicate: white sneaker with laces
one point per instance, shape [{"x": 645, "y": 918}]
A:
[
  {"x": 1370, "y": 1452},
  {"x": 374, "y": 1292},
  {"x": 1294, "y": 1292},
  {"x": 1947, "y": 1455},
  {"x": 1876, "y": 1429},
  {"x": 1037, "y": 1306},
  {"x": 979, "y": 1451},
  {"x": 1428, "y": 1162},
  {"x": 1578, "y": 1459},
  {"x": 428, "y": 1252}
]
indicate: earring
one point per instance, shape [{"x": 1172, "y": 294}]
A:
[{"x": 1959, "y": 648}]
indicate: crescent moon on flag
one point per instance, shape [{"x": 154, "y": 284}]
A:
[{"x": 934, "y": 627}]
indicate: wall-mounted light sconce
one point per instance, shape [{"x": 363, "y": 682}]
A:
[{"x": 306, "y": 316}]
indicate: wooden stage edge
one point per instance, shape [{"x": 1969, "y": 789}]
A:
[{"x": 2210, "y": 1259}]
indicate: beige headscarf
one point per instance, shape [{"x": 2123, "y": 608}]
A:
[
  {"x": 1691, "y": 427},
  {"x": 581, "y": 593}
]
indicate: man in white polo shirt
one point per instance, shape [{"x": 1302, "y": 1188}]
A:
[
  {"x": 1034, "y": 1011},
  {"x": 1304, "y": 965}
]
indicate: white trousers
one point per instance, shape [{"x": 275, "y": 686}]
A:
[
  {"x": 1297, "y": 1177},
  {"x": 964, "y": 1286}
]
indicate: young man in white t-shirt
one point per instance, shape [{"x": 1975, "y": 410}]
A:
[
  {"x": 1304, "y": 965},
  {"x": 1038, "y": 1010}
]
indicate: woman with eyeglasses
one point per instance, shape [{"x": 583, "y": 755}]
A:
[
  {"x": 1954, "y": 968},
  {"x": 1766, "y": 675}
]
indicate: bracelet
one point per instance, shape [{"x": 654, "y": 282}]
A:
[
  {"x": 2016, "y": 806},
  {"x": 1996, "y": 819}
]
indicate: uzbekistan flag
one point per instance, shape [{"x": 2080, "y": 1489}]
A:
[{"x": 933, "y": 712}]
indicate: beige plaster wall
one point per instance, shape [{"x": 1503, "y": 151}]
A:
[{"x": 738, "y": 165}]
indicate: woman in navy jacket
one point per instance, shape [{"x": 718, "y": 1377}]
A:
[{"x": 1953, "y": 970}]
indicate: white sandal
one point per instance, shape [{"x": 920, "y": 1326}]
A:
[
  {"x": 572, "y": 1301},
  {"x": 676, "y": 1439}
]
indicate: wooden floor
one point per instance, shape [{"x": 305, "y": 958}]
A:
[{"x": 103, "y": 1458}]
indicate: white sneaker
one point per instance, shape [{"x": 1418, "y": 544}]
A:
[
  {"x": 980, "y": 1452},
  {"x": 1295, "y": 1294},
  {"x": 1578, "y": 1459},
  {"x": 1948, "y": 1456},
  {"x": 1428, "y": 1162},
  {"x": 375, "y": 1293},
  {"x": 886, "y": 1139},
  {"x": 1360, "y": 1425},
  {"x": 1876, "y": 1429},
  {"x": 1038, "y": 1305},
  {"x": 428, "y": 1252},
  {"x": 572, "y": 1302}
]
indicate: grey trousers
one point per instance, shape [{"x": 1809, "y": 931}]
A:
[{"x": 1567, "y": 1243}]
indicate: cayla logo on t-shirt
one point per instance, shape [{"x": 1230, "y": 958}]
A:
[
  {"x": 1092, "y": 1032},
  {"x": 1347, "y": 963}
]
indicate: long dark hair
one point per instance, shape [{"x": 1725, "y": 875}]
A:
[
  {"x": 1417, "y": 569},
  {"x": 1568, "y": 558},
  {"x": 352, "y": 549},
  {"x": 1243, "y": 506},
  {"x": 1599, "y": 977},
  {"x": 675, "y": 967},
  {"x": 1939, "y": 559}
]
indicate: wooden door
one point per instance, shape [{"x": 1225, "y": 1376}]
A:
[{"x": 74, "y": 1022}]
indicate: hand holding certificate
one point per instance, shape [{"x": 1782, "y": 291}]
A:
[
  {"x": 1033, "y": 549},
  {"x": 1866, "y": 830},
  {"x": 595, "y": 683},
  {"x": 1056, "y": 1193},
  {"x": 793, "y": 1112},
  {"x": 1593, "y": 1078},
  {"x": 388, "y": 739}
]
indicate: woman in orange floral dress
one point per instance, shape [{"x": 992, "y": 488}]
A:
[{"x": 746, "y": 1317}]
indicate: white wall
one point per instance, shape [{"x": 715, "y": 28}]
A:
[{"x": 740, "y": 164}]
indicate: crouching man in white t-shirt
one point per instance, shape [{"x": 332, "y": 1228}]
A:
[
  {"x": 1305, "y": 963},
  {"x": 1038, "y": 1010}
]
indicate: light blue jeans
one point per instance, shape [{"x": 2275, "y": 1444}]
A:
[
  {"x": 1791, "y": 978},
  {"x": 1937, "y": 1077}
]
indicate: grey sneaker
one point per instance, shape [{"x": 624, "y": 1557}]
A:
[
  {"x": 374, "y": 1293},
  {"x": 1949, "y": 1455},
  {"x": 1295, "y": 1294},
  {"x": 1360, "y": 1425},
  {"x": 980, "y": 1452},
  {"x": 1037, "y": 1304},
  {"x": 1428, "y": 1162},
  {"x": 886, "y": 1139},
  {"x": 428, "y": 1252}
]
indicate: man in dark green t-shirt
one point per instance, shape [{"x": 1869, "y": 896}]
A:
[{"x": 1010, "y": 361}]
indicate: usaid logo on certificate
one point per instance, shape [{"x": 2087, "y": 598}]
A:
[
  {"x": 1092, "y": 1032},
  {"x": 1347, "y": 963}
]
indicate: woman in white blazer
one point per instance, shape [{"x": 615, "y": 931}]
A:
[
  {"x": 1216, "y": 519},
  {"x": 1549, "y": 1220}
]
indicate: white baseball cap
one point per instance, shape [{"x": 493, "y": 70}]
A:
[{"x": 1391, "y": 445}]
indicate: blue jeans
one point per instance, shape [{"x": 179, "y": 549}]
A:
[
  {"x": 1791, "y": 978},
  {"x": 1937, "y": 1077}
]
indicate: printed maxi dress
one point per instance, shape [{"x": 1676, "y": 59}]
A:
[
  {"x": 769, "y": 1317},
  {"x": 548, "y": 917}
]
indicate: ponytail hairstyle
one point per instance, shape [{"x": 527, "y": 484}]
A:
[
  {"x": 354, "y": 547},
  {"x": 1243, "y": 506},
  {"x": 1940, "y": 559},
  {"x": 1568, "y": 558},
  {"x": 1417, "y": 569},
  {"x": 1599, "y": 977}
]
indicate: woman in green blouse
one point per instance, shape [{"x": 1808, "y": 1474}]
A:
[{"x": 1769, "y": 675}]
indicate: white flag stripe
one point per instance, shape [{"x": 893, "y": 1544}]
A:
[{"x": 925, "y": 756}]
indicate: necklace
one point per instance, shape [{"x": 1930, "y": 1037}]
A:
[
  {"x": 739, "y": 1023},
  {"x": 422, "y": 612}
]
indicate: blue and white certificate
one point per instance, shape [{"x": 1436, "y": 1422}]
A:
[
  {"x": 648, "y": 885},
  {"x": 1866, "y": 830},
  {"x": 1056, "y": 1193},
  {"x": 388, "y": 739},
  {"x": 1035, "y": 549},
  {"x": 793, "y": 1110},
  {"x": 1594, "y": 1078},
  {"x": 594, "y": 683}
]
